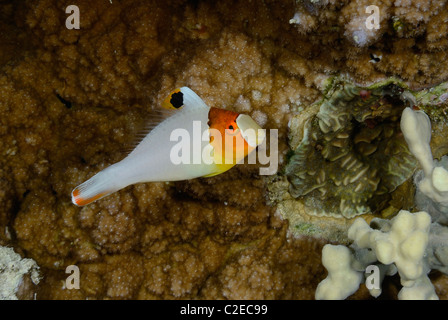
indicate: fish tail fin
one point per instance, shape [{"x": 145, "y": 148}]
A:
[{"x": 97, "y": 187}]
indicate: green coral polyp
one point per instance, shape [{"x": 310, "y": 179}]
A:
[{"x": 352, "y": 154}]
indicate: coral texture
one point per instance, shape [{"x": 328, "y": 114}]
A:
[
  {"x": 72, "y": 100},
  {"x": 352, "y": 153},
  {"x": 396, "y": 245},
  {"x": 17, "y": 275}
]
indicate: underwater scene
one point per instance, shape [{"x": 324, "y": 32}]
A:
[{"x": 224, "y": 150}]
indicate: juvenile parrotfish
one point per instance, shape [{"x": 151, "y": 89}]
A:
[{"x": 225, "y": 139}]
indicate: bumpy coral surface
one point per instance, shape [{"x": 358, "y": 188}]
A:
[
  {"x": 17, "y": 275},
  {"x": 72, "y": 100}
]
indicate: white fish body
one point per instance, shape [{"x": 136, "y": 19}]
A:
[{"x": 151, "y": 160}]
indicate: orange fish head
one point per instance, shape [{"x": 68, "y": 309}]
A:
[{"x": 232, "y": 135}]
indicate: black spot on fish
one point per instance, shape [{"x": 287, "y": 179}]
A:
[
  {"x": 66, "y": 103},
  {"x": 177, "y": 100}
]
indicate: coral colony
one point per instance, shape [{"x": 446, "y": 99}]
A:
[
  {"x": 352, "y": 152},
  {"x": 353, "y": 97},
  {"x": 407, "y": 244}
]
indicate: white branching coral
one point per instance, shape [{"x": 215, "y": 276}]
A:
[
  {"x": 12, "y": 270},
  {"x": 402, "y": 242},
  {"x": 416, "y": 128},
  {"x": 342, "y": 280},
  {"x": 408, "y": 244},
  {"x": 397, "y": 246},
  {"x": 433, "y": 183}
]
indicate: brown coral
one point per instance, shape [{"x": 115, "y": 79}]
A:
[{"x": 72, "y": 99}]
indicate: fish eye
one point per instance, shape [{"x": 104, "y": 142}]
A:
[
  {"x": 232, "y": 129},
  {"x": 232, "y": 126},
  {"x": 177, "y": 100}
]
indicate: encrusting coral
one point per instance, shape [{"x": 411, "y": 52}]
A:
[
  {"x": 348, "y": 156},
  {"x": 18, "y": 276},
  {"x": 404, "y": 28},
  {"x": 352, "y": 152},
  {"x": 73, "y": 99}
]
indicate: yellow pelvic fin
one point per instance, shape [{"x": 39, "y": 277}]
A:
[{"x": 220, "y": 168}]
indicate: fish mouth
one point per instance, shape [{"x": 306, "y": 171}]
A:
[{"x": 250, "y": 130}]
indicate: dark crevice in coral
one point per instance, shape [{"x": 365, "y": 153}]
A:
[{"x": 66, "y": 103}]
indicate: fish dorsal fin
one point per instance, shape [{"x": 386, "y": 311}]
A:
[
  {"x": 183, "y": 98},
  {"x": 146, "y": 125},
  {"x": 180, "y": 99}
]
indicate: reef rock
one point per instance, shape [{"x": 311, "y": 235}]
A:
[{"x": 73, "y": 99}]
